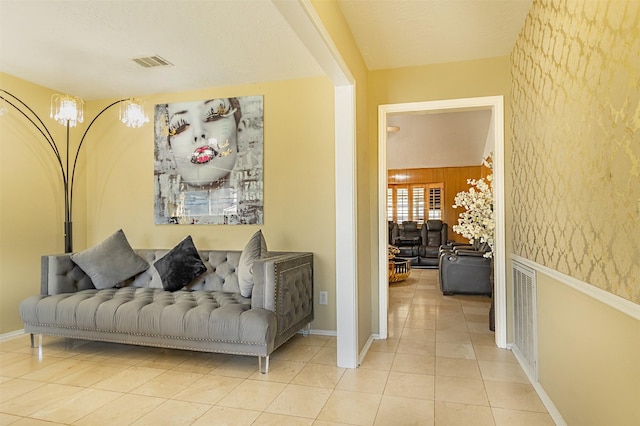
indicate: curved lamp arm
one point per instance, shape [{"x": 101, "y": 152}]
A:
[
  {"x": 39, "y": 125},
  {"x": 73, "y": 170}
]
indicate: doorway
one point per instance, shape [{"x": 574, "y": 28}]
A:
[{"x": 495, "y": 104}]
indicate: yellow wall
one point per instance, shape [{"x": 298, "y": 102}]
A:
[
  {"x": 576, "y": 179},
  {"x": 487, "y": 77},
  {"x": 484, "y": 77},
  {"x": 299, "y": 187},
  {"x": 31, "y": 199},
  {"x": 588, "y": 356}
]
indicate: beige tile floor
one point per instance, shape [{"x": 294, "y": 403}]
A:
[{"x": 439, "y": 366}]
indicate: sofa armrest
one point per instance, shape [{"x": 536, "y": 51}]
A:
[
  {"x": 58, "y": 274},
  {"x": 283, "y": 284},
  {"x": 465, "y": 274},
  {"x": 465, "y": 252}
]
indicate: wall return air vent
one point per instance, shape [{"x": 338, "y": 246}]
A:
[
  {"x": 152, "y": 61},
  {"x": 525, "y": 317}
]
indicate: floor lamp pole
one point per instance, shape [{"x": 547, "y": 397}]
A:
[{"x": 68, "y": 232}]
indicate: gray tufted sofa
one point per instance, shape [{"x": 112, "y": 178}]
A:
[{"x": 206, "y": 317}]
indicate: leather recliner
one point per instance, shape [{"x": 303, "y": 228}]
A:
[
  {"x": 422, "y": 249},
  {"x": 434, "y": 235},
  {"x": 464, "y": 270},
  {"x": 409, "y": 234},
  {"x": 393, "y": 232}
]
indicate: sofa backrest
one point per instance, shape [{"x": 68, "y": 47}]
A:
[
  {"x": 220, "y": 275},
  {"x": 409, "y": 230},
  {"x": 434, "y": 233},
  {"x": 60, "y": 275}
]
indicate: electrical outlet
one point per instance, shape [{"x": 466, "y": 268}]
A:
[{"x": 324, "y": 298}]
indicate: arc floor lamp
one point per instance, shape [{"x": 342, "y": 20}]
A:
[{"x": 68, "y": 111}]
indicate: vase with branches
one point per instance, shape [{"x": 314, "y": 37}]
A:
[{"x": 477, "y": 221}]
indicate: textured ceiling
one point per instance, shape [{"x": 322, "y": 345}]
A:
[{"x": 85, "y": 47}]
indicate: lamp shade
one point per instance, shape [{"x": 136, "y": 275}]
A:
[
  {"x": 132, "y": 113},
  {"x": 67, "y": 109}
]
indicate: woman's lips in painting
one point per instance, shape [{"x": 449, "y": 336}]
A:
[{"x": 203, "y": 154}]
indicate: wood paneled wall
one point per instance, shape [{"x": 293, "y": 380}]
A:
[{"x": 454, "y": 180}]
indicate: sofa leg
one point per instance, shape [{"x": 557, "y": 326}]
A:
[
  {"x": 306, "y": 329},
  {"x": 263, "y": 364},
  {"x": 32, "y": 338}
]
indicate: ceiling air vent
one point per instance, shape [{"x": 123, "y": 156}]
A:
[{"x": 152, "y": 61}]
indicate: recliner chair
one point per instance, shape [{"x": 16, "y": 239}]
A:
[
  {"x": 464, "y": 270},
  {"x": 393, "y": 232},
  {"x": 409, "y": 234},
  {"x": 424, "y": 250},
  {"x": 434, "y": 234},
  {"x": 408, "y": 240}
]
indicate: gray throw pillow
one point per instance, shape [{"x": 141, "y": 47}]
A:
[
  {"x": 255, "y": 249},
  {"x": 180, "y": 266},
  {"x": 110, "y": 262}
]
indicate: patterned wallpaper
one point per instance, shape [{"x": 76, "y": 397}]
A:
[{"x": 576, "y": 141}]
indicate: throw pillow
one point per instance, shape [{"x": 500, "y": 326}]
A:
[
  {"x": 180, "y": 265},
  {"x": 255, "y": 249},
  {"x": 110, "y": 262}
]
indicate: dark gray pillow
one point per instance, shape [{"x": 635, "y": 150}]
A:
[
  {"x": 256, "y": 248},
  {"x": 180, "y": 266},
  {"x": 110, "y": 262}
]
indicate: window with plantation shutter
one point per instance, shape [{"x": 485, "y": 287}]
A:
[
  {"x": 402, "y": 204},
  {"x": 417, "y": 205},
  {"x": 435, "y": 201},
  {"x": 415, "y": 202}
]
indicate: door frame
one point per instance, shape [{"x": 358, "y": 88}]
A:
[
  {"x": 305, "y": 22},
  {"x": 496, "y": 105}
]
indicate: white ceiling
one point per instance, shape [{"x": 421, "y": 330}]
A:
[
  {"x": 85, "y": 47},
  {"x": 404, "y": 33},
  {"x": 451, "y": 139}
]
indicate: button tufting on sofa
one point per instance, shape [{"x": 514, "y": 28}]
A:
[{"x": 209, "y": 316}]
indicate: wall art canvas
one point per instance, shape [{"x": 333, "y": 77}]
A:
[{"x": 209, "y": 162}]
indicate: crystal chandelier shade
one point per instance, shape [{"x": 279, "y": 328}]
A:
[
  {"x": 132, "y": 113},
  {"x": 67, "y": 109}
]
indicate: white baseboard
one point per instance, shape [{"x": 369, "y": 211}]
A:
[
  {"x": 365, "y": 350},
  {"x": 11, "y": 335},
  {"x": 546, "y": 400},
  {"x": 331, "y": 333}
]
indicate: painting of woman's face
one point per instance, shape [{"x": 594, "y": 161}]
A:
[
  {"x": 203, "y": 139},
  {"x": 208, "y": 161}
]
